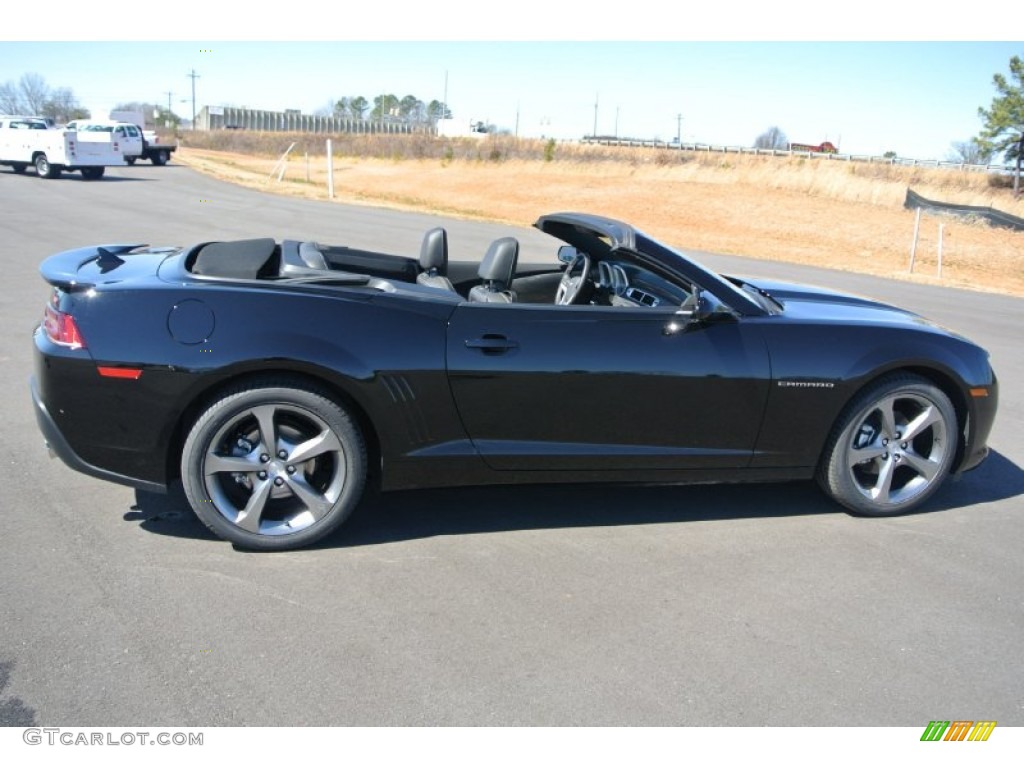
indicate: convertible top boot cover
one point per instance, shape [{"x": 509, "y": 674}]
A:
[{"x": 242, "y": 259}]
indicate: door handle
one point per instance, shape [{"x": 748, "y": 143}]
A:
[{"x": 492, "y": 344}]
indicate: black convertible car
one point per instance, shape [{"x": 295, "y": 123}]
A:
[{"x": 278, "y": 379}]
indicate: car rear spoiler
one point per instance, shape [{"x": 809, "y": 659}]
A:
[{"x": 61, "y": 270}]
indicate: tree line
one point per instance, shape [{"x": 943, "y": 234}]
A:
[{"x": 388, "y": 107}]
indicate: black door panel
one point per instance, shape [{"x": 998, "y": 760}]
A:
[{"x": 544, "y": 387}]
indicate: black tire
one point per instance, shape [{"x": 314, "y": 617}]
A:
[
  {"x": 130, "y": 160},
  {"x": 19, "y": 167},
  {"x": 44, "y": 169},
  {"x": 280, "y": 492},
  {"x": 892, "y": 448},
  {"x": 93, "y": 172},
  {"x": 160, "y": 157}
]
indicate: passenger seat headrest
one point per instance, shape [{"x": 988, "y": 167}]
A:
[
  {"x": 434, "y": 251},
  {"x": 499, "y": 262}
]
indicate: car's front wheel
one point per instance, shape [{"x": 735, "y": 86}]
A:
[
  {"x": 892, "y": 448},
  {"x": 274, "y": 465}
]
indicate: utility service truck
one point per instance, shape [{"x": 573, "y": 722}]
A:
[{"x": 30, "y": 141}]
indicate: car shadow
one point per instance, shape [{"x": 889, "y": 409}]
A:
[
  {"x": 106, "y": 178},
  {"x": 76, "y": 176},
  {"x": 167, "y": 514},
  {"x": 996, "y": 479},
  {"x": 13, "y": 711},
  {"x": 409, "y": 515}
]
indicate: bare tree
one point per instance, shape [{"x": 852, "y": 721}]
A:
[
  {"x": 970, "y": 152},
  {"x": 34, "y": 92},
  {"x": 10, "y": 99},
  {"x": 63, "y": 107},
  {"x": 773, "y": 138},
  {"x": 32, "y": 96}
]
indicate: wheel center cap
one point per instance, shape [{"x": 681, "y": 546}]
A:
[{"x": 276, "y": 468}]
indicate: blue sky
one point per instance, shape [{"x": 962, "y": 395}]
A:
[{"x": 914, "y": 98}]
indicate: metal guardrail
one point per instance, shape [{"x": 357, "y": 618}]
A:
[{"x": 652, "y": 144}]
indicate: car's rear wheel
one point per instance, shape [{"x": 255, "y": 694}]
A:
[
  {"x": 892, "y": 448},
  {"x": 93, "y": 172},
  {"x": 160, "y": 157},
  {"x": 274, "y": 465}
]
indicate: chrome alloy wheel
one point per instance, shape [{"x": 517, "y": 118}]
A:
[
  {"x": 892, "y": 447},
  {"x": 274, "y": 469},
  {"x": 274, "y": 463},
  {"x": 899, "y": 448}
]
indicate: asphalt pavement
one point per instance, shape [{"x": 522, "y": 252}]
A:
[{"x": 571, "y": 605}]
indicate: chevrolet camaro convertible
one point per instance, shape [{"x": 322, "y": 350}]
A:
[{"x": 277, "y": 380}]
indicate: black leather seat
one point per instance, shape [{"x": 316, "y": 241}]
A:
[
  {"x": 434, "y": 260},
  {"x": 496, "y": 271}
]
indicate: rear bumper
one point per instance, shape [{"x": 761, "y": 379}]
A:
[{"x": 59, "y": 447}]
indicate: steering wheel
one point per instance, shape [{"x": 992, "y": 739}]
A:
[{"x": 570, "y": 288}]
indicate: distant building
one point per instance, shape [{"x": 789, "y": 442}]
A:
[
  {"x": 291, "y": 120},
  {"x": 474, "y": 129}
]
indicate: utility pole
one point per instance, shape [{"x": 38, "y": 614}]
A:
[
  {"x": 194, "y": 77},
  {"x": 596, "y": 99},
  {"x": 517, "y": 119},
  {"x": 444, "y": 104},
  {"x": 679, "y": 130}
]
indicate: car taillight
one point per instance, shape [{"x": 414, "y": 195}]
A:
[{"x": 61, "y": 329}]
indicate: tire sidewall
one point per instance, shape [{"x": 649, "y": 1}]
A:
[{"x": 227, "y": 408}]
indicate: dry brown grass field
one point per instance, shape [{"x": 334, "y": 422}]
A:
[{"x": 829, "y": 213}]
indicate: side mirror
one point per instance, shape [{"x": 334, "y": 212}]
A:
[
  {"x": 567, "y": 254},
  {"x": 699, "y": 307}
]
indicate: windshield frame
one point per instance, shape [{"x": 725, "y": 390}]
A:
[{"x": 601, "y": 235}]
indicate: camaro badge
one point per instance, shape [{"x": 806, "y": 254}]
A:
[{"x": 807, "y": 384}]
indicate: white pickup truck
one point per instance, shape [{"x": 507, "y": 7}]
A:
[{"x": 26, "y": 141}]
